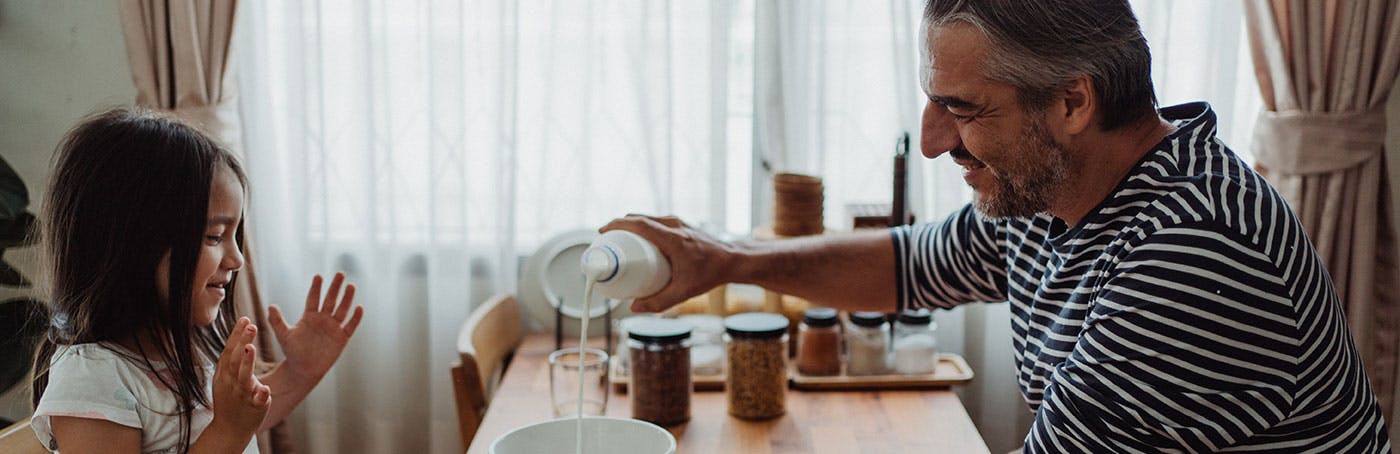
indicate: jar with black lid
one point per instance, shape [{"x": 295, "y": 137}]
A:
[
  {"x": 660, "y": 370},
  {"x": 915, "y": 348},
  {"x": 819, "y": 343},
  {"x": 756, "y": 347},
  {"x": 867, "y": 344}
]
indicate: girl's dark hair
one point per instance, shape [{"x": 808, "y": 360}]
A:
[{"x": 129, "y": 186}]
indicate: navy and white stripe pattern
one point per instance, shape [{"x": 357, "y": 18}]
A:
[{"x": 1187, "y": 312}]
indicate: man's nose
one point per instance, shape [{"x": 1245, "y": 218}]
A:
[{"x": 940, "y": 133}]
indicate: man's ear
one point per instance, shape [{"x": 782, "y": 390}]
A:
[{"x": 1078, "y": 105}]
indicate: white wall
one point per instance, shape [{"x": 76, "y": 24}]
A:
[{"x": 62, "y": 59}]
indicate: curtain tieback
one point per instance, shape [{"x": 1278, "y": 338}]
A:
[{"x": 1300, "y": 142}]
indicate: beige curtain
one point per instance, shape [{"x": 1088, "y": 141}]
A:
[
  {"x": 1325, "y": 69},
  {"x": 178, "y": 51}
]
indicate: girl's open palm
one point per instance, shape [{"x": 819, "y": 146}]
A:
[{"x": 318, "y": 338}]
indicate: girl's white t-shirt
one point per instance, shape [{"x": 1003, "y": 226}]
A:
[{"x": 93, "y": 381}]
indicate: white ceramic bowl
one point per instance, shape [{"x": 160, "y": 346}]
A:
[{"x": 601, "y": 435}]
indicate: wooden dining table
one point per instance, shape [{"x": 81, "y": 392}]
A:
[{"x": 883, "y": 421}]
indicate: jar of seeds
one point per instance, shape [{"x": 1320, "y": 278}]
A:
[
  {"x": 756, "y": 345},
  {"x": 660, "y": 351}
]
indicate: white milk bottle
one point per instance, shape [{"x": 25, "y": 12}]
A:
[{"x": 623, "y": 265}]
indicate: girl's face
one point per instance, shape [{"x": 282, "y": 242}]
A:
[{"x": 219, "y": 255}]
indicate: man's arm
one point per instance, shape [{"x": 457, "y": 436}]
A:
[
  {"x": 852, "y": 272},
  {"x": 942, "y": 264}
]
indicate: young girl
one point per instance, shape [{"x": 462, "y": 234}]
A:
[{"x": 143, "y": 225}]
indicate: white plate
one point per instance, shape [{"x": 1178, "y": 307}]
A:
[{"x": 552, "y": 275}]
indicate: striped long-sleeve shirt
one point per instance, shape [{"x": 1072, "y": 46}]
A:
[{"x": 1187, "y": 312}]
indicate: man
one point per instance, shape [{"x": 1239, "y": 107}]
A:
[{"x": 1163, "y": 296}]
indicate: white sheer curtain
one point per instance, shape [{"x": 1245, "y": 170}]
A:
[
  {"x": 836, "y": 84},
  {"x": 423, "y": 146},
  {"x": 1200, "y": 53}
]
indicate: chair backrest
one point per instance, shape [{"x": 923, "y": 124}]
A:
[
  {"x": 485, "y": 343},
  {"x": 19, "y": 438}
]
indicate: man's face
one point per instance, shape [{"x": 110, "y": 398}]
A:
[{"x": 1009, "y": 156}]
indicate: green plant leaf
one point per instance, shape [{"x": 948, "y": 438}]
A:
[
  {"x": 14, "y": 198},
  {"x": 17, "y": 231},
  {"x": 10, "y": 276}
]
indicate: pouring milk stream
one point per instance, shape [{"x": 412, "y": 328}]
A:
[{"x": 620, "y": 265}]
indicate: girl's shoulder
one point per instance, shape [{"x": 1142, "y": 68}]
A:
[
  {"x": 107, "y": 366},
  {"x": 97, "y": 356},
  {"x": 90, "y": 381},
  {"x": 90, "y": 351}
]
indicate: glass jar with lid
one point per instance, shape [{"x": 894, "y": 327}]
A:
[
  {"x": 867, "y": 344},
  {"x": 660, "y": 370},
  {"x": 914, "y": 345},
  {"x": 819, "y": 343},
  {"x": 707, "y": 343},
  {"x": 620, "y": 355},
  {"x": 756, "y": 357}
]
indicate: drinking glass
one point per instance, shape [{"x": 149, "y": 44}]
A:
[{"x": 564, "y": 381}]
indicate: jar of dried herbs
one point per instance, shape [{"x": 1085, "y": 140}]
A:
[
  {"x": 660, "y": 372},
  {"x": 756, "y": 345}
]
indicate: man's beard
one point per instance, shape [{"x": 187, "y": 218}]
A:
[{"x": 1037, "y": 166}]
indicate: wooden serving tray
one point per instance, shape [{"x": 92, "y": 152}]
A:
[
  {"x": 697, "y": 382},
  {"x": 951, "y": 369}
]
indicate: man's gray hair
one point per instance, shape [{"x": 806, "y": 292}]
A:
[{"x": 1039, "y": 46}]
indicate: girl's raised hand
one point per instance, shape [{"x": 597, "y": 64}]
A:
[
  {"x": 240, "y": 400},
  {"x": 316, "y": 341}
]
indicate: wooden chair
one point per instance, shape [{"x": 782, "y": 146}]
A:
[
  {"x": 19, "y": 439},
  {"x": 485, "y": 343}
]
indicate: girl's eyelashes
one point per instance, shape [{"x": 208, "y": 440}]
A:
[{"x": 214, "y": 240}]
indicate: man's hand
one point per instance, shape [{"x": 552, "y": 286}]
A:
[{"x": 699, "y": 262}]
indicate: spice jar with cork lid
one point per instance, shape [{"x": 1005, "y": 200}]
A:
[
  {"x": 660, "y": 370},
  {"x": 867, "y": 344},
  {"x": 756, "y": 347},
  {"x": 819, "y": 343},
  {"x": 915, "y": 349}
]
